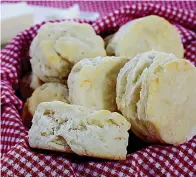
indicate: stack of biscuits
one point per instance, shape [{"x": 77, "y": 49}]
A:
[{"x": 88, "y": 92}]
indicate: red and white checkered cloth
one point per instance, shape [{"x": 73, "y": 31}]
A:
[
  {"x": 155, "y": 160},
  {"x": 104, "y": 7}
]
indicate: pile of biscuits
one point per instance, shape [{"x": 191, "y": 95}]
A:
[{"x": 88, "y": 91}]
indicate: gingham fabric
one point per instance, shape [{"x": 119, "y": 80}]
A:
[
  {"x": 17, "y": 159},
  {"x": 104, "y": 7}
]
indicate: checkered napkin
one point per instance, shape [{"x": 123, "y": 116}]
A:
[
  {"x": 153, "y": 160},
  {"x": 103, "y": 7}
]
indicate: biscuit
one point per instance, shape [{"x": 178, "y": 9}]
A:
[
  {"x": 58, "y": 46},
  {"x": 92, "y": 82},
  {"x": 171, "y": 100},
  {"x": 69, "y": 128},
  {"x": 48, "y": 65},
  {"x": 159, "y": 60},
  {"x": 145, "y": 34},
  {"x": 44, "y": 93},
  {"x": 155, "y": 93},
  {"x": 128, "y": 89}
]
